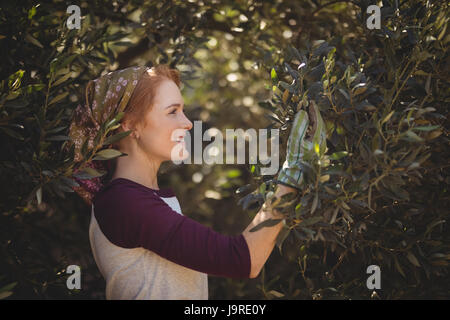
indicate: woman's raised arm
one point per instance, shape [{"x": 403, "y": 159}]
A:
[{"x": 262, "y": 241}]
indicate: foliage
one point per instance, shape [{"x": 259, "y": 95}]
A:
[
  {"x": 45, "y": 68},
  {"x": 378, "y": 195}
]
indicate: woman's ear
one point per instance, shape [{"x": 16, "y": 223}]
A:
[
  {"x": 125, "y": 126},
  {"x": 136, "y": 126}
]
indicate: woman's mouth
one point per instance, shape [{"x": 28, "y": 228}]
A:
[{"x": 180, "y": 139}]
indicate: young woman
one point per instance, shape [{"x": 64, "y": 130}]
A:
[{"x": 142, "y": 243}]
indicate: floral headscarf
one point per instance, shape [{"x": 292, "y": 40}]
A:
[{"x": 106, "y": 97}]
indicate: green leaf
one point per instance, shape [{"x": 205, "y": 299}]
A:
[
  {"x": 338, "y": 155},
  {"x": 64, "y": 188},
  {"x": 89, "y": 173},
  {"x": 33, "y": 88},
  {"x": 298, "y": 55},
  {"x": 116, "y": 119},
  {"x": 17, "y": 104},
  {"x": 107, "y": 154},
  {"x": 330, "y": 190},
  {"x": 250, "y": 200},
  {"x": 314, "y": 203},
  {"x": 333, "y": 217},
  {"x": 274, "y": 118},
  {"x": 5, "y": 294},
  {"x": 298, "y": 210},
  {"x": 266, "y": 105},
  {"x": 413, "y": 136},
  {"x": 111, "y": 139},
  {"x": 273, "y": 76},
  {"x": 234, "y": 173},
  {"x": 5, "y": 291},
  {"x": 243, "y": 188},
  {"x": 262, "y": 188},
  {"x": 442, "y": 33},
  {"x": 12, "y": 133},
  {"x": 434, "y": 134},
  {"x": 62, "y": 79},
  {"x": 359, "y": 89},
  {"x": 345, "y": 94},
  {"x": 39, "y": 195},
  {"x": 316, "y": 148},
  {"x": 426, "y": 128},
  {"x": 432, "y": 225},
  {"x": 412, "y": 258},
  {"x": 287, "y": 86},
  {"x": 386, "y": 119},
  {"x": 57, "y": 64},
  {"x": 31, "y": 12},
  {"x": 310, "y": 221},
  {"x": 291, "y": 71},
  {"x": 70, "y": 182},
  {"x": 114, "y": 127},
  {"x": 310, "y": 232},
  {"x": 58, "y": 98},
  {"x": 284, "y": 233},
  {"x": 34, "y": 41},
  {"x": 15, "y": 80},
  {"x": 266, "y": 223},
  {"x": 276, "y": 294}
]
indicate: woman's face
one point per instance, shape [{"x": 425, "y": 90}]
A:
[{"x": 166, "y": 123}]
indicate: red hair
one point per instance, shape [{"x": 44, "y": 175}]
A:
[{"x": 143, "y": 96}]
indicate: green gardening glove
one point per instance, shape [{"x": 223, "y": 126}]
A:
[{"x": 302, "y": 146}]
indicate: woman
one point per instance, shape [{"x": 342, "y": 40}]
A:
[{"x": 142, "y": 243}]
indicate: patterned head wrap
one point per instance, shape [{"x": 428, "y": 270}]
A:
[{"x": 106, "y": 97}]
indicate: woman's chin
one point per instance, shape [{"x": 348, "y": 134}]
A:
[
  {"x": 179, "y": 152},
  {"x": 180, "y": 158}
]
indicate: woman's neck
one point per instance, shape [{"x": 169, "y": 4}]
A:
[{"x": 140, "y": 170}]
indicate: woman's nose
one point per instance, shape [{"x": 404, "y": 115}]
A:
[{"x": 187, "y": 123}]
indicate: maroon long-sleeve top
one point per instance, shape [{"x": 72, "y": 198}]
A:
[{"x": 132, "y": 215}]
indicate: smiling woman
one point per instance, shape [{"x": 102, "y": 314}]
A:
[
  {"x": 153, "y": 113},
  {"x": 143, "y": 245}
]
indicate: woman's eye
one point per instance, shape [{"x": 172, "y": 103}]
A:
[{"x": 173, "y": 112}]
